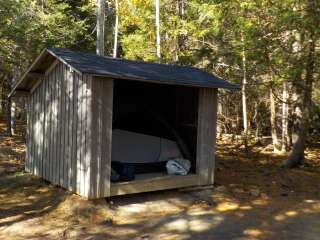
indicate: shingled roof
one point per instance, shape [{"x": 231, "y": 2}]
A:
[{"x": 87, "y": 63}]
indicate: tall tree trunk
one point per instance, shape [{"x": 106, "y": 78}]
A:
[
  {"x": 284, "y": 118},
  {"x": 13, "y": 116},
  {"x": 100, "y": 27},
  {"x": 158, "y": 29},
  {"x": 244, "y": 98},
  {"x": 180, "y": 44},
  {"x": 116, "y": 30},
  {"x": 8, "y": 107},
  {"x": 297, "y": 155},
  {"x": 256, "y": 120},
  {"x": 273, "y": 121}
]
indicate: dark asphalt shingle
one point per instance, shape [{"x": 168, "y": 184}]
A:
[{"x": 140, "y": 71}]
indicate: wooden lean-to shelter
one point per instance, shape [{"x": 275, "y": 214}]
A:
[{"x": 75, "y": 100}]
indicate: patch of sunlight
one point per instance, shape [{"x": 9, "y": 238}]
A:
[
  {"x": 253, "y": 232},
  {"x": 227, "y": 206},
  {"x": 198, "y": 212},
  {"x": 310, "y": 201},
  {"x": 239, "y": 214},
  {"x": 291, "y": 213},
  {"x": 31, "y": 197},
  {"x": 177, "y": 225},
  {"x": 23, "y": 204},
  {"x": 198, "y": 225},
  {"x": 36, "y": 211},
  {"x": 246, "y": 207},
  {"x": 315, "y": 207},
  {"x": 171, "y": 236},
  {"x": 280, "y": 217},
  {"x": 42, "y": 190},
  {"x": 260, "y": 202},
  {"x": 11, "y": 219}
]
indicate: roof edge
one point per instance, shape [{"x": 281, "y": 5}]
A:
[{"x": 43, "y": 53}]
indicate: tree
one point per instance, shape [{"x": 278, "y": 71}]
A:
[
  {"x": 116, "y": 30},
  {"x": 100, "y": 27},
  {"x": 158, "y": 29}
]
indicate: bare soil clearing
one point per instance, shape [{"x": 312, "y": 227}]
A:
[{"x": 253, "y": 199}]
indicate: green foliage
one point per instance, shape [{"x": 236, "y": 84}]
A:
[{"x": 209, "y": 34}]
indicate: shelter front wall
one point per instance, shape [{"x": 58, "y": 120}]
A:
[{"x": 206, "y": 135}]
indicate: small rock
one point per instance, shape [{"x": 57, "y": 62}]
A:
[
  {"x": 254, "y": 192},
  {"x": 108, "y": 221},
  {"x": 221, "y": 189},
  {"x": 145, "y": 237},
  {"x": 233, "y": 185},
  {"x": 238, "y": 190}
]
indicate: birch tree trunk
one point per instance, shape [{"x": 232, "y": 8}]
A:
[
  {"x": 8, "y": 106},
  {"x": 244, "y": 98},
  {"x": 158, "y": 28},
  {"x": 273, "y": 121},
  {"x": 100, "y": 27},
  {"x": 285, "y": 131},
  {"x": 116, "y": 30}
]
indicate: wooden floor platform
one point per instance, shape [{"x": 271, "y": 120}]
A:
[{"x": 153, "y": 182}]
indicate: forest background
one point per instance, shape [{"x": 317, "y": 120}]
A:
[{"x": 271, "y": 48}]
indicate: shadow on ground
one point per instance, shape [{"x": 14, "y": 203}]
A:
[{"x": 253, "y": 199}]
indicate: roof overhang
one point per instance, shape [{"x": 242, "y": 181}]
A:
[
  {"x": 38, "y": 69},
  {"x": 48, "y": 58}
]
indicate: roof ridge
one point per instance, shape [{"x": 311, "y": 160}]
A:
[{"x": 130, "y": 60}]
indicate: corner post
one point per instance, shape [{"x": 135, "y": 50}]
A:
[{"x": 206, "y": 136}]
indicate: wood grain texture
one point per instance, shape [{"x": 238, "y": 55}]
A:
[
  {"x": 100, "y": 124},
  {"x": 206, "y": 137},
  {"x": 70, "y": 136},
  {"x": 152, "y": 182}
]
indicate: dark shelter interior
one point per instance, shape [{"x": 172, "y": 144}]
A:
[{"x": 165, "y": 111}]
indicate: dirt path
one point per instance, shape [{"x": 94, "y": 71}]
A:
[{"x": 253, "y": 199}]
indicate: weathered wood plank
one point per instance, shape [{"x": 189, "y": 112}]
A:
[
  {"x": 52, "y": 66},
  {"x": 63, "y": 126},
  {"x": 152, "y": 182},
  {"x": 37, "y": 147},
  {"x": 80, "y": 136},
  {"x": 41, "y": 129},
  {"x": 32, "y": 133},
  {"x": 28, "y": 152},
  {"x": 67, "y": 123},
  {"x": 50, "y": 127},
  {"x": 55, "y": 170},
  {"x": 96, "y": 140},
  {"x": 74, "y": 130},
  {"x": 206, "y": 135},
  {"x": 45, "y": 127},
  {"x": 88, "y": 134},
  {"x": 60, "y": 126},
  {"x": 101, "y": 137},
  {"x": 106, "y": 135}
]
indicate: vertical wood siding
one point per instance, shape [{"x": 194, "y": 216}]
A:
[
  {"x": 101, "y": 108},
  {"x": 57, "y": 131},
  {"x": 206, "y": 139},
  {"x": 70, "y": 132}
]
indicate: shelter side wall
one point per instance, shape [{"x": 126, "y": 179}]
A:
[
  {"x": 99, "y": 138},
  {"x": 52, "y": 128},
  {"x": 206, "y": 138}
]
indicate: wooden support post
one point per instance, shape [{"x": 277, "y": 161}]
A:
[{"x": 206, "y": 139}]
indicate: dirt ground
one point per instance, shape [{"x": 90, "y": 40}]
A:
[{"x": 253, "y": 198}]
